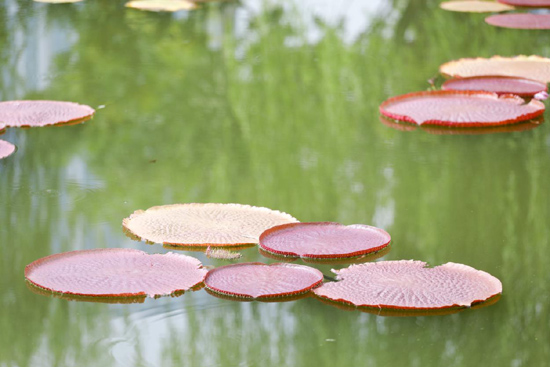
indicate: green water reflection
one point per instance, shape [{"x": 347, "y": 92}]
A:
[{"x": 266, "y": 105}]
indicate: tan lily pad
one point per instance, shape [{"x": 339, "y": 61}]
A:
[
  {"x": 6, "y": 149},
  {"x": 161, "y": 5},
  {"x": 203, "y": 224},
  {"x": 475, "y": 6},
  {"x": 530, "y": 67}
]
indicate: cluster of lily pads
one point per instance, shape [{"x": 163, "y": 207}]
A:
[
  {"x": 532, "y": 19},
  {"x": 481, "y": 93},
  {"x": 131, "y": 275}
]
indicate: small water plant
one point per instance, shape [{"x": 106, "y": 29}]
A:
[
  {"x": 254, "y": 281},
  {"x": 210, "y": 224},
  {"x": 115, "y": 273}
]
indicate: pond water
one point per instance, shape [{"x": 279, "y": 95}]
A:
[{"x": 275, "y": 104}]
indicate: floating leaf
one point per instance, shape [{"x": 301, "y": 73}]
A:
[
  {"x": 323, "y": 240},
  {"x": 408, "y": 285},
  {"x": 57, "y": 1},
  {"x": 6, "y": 149},
  {"x": 460, "y": 108},
  {"x": 527, "y": 3},
  {"x": 438, "y": 130},
  {"x": 475, "y": 6},
  {"x": 259, "y": 281},
  {"x": 42, "y": 113},
  {"x": 520, "y": 21},
  {"x": 203, "y": 224},
  {"x": 162, "y": 5},
  {"x": 115, "y": 273},
  {"x": 497, "y": 84},
  {"x": 530, "y": 67},
  {"x": 222, "y": 254}
]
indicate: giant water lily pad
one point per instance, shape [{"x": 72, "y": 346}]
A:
[
  {"x": 115, "y": 273},
  {"x": 203, "y": 224},
  {"x": 520, "y": 21},
  {"x": 323, "y": 240},
  {"x": 6, "y": 149},
  {"x": 262, "y": 281},
  {"x": 475, "y": 6},
  {"x": 497, "y": 84},
  {"x": 162, "y": 5},
  {"x": 527, "y": 3},
  {"x": 42, "y": 113},
  {"x": 460, "y": 108},
  {"x": 530, "y": 67},
  {"x": 410, "y": 285}
]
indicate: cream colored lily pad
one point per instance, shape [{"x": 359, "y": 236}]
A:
[
  {"x": 203, "y": 224},
  {"x": 161, "y": 5},
  {"x": 530, "y": 67},
  {"x": 475, "y": 6}
]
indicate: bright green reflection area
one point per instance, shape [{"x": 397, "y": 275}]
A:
[{"x": 255, "y": 104}]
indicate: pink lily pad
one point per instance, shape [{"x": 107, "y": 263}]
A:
[
  {"x": 497, "y": 84},
  {"x": 261, "y": 281},
  {"x": 115, "y": 272},
  {"x": 323, "y": 240},
  {"x": 42, "y": 113},
  {"x": 6, "y": 149},
  {"x": 460, "y": 108},
  {"x": 408, "y": 285},
  {"x": 520, "y": 21},
  {"x": 527, "y": 3},
  {"x": 531, "y": 67}
]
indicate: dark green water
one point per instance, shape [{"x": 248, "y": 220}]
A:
[{"x": 277, "y": 106}]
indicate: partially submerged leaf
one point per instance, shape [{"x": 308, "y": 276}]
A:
[
  {"x": 460, "y": 108},
  {"x": 222, "y": 254},
  {"x": 530, "y": 67},
  {"x": 259, "y": 281},
  {"x": 323, "y": 240},
  {"x": 527, "y": 3},
  {"x": 497, "y": 84},
  {"x": 6, "y": 149},
  {"x": 203, "y": 224},
  {"x": 408, "y": 285},
  {"x": 57, "y": 1},
  {"x": 115, "y": 273},
  {"x": 162, "y": 5},
  {"x": 520, "y": 21},
  {"x": 42, "y": 113},
  {"x": 475, "y": 6}
]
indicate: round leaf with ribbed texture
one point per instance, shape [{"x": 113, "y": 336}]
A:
[
  {"x": 6, "y": 149},
  {"x": 527, "y": 3},
  {"x": 258, "y": 280},
  {"x": 42, "y": 113},
  {"x": 460, "y": 108},
  {"x": 475, "y": 6},
  {"x": 520, "y": 21},
  {"x": 530, "y": 67},
  {"x": 497, "y": 84},
  {"x": 323, "y": 240},
  {"x": 115, "y": 273},
  {"x": 203, "y": 224},
  {"x": 162, "y": 5},
  {"x": 409, "y": 284}
]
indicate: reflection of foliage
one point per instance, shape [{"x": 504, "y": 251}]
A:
[{"x": 288, "y": 125}]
